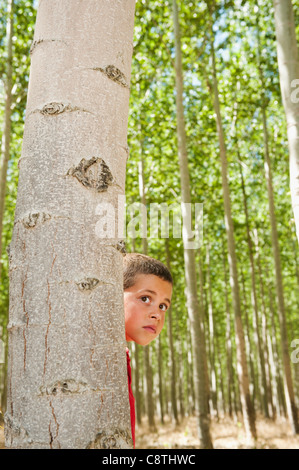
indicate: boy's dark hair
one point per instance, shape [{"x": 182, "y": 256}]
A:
[{"x": 137, "y": 263}]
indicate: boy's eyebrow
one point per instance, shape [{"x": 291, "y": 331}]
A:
[{"x": 153, "y": 292}]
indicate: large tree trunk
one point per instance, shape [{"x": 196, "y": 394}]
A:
[
  {"x": 194, "y": 312},
  {"x": 288, "y": 64},
  {"x": 67, "y": 385}
]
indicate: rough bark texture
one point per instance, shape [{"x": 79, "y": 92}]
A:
[
  {"x": 67, "y": 383},
  {"x": 194, "y": 313},
  {"x": 288, "y": 63}
]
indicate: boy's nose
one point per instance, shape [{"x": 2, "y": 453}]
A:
[{"x": 156, "y": 314}]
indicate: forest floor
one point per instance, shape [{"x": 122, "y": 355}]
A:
[{"x": 226, "y": 434}]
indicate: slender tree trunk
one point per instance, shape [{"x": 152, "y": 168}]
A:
[
  {"x": 6, "y": 136},
  {"x": 137, "y": 380},
  {"x": 273, "y": 368},
  {"x": 229, "y": 361},
  {"x": 258, "y": 342},
  {"x": 267, "y": 364},
  {"x": 276, "y": 361},
  {"x": 247, "y": 407},
  {"x": 172, "y": 353},
  {"x": 288, "y": 381},
  {"x": 289, "y": 390},
  {"x": 4, "y": 380},
  {"x": 146, "y": 349},
  {"x": 213, "y": 387},
  {"x": 202, "y": 302},
  {"x": 137, "y": 393},
  {"x": 289, "y": 70},
  {"x": 160, "y": 372},
  {"x": 288, "y": 64},
  {"x": 221, "y": 378},
  {"x": 295, "y": 251},
  {"x": 182, "y": 389},
  {"x": 296, "y": 371},
  {"x": 67, "y": 384},
  {"x": 253, "y": 386},
  {"x": 149, "y": 389},
  {"x": 195, "y": 315},
  {"x": 172, "y": 360},
  {"x": 190, "y": 376}
]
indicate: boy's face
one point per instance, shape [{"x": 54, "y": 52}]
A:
[{"x": 145, "y": 305}]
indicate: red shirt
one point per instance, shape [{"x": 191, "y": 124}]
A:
[{"x": 131, "y": 397}]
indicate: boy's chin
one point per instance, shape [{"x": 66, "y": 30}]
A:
[{"x": 142, "y": 342}]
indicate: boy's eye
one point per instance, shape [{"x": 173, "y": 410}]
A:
[
  {"x": 145, "y": 299},
  {"x": 163, "y": 307}
]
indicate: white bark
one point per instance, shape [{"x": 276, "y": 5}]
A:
[
  {"x": 67, "y": 383},
  {"x": 288, "y": 63}
]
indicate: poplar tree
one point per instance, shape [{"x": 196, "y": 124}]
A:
[
  {"x": 67, "y": 374},
  {"x": 197, "y": 332},
  {"x": 288, "y": 64},
  {"x": 247, "y": 406}
]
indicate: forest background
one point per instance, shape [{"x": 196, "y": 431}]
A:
[{"x": 248, "y": 82}]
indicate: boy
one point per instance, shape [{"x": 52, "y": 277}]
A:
[{"x": 147, "y": 296}]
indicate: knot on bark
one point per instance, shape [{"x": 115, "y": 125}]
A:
[
  {"x": 53, "y": 108},
  {"x": 93, "y": 173},
  {"x": 114, "y": 74},
  {"x": 111, "y": 439},
  {"x": 13, "y": 429},
  {"x": 121, "y": 246},
  {"x": 65, "y": 387},
  {"x": 32, "y": 218},
  {"x": 87, "y": 284}
]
